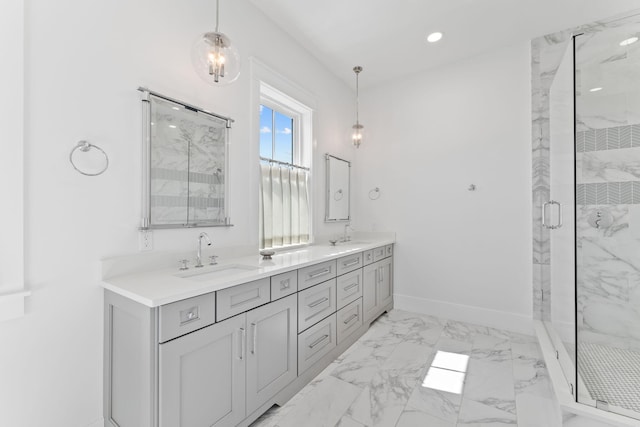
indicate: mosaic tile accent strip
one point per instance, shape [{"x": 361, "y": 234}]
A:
[
  {"x": 178, "y": 175},
  {"x": 181, "y": 202},
  {"x": 611, "y": 374},
  {"x": 608, "y": 193},
  {"x": 612, "y": 138}
]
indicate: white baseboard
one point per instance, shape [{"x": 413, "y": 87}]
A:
[
  {"x": 12, "y": 305},
  {"x": 466, "y": 313}
]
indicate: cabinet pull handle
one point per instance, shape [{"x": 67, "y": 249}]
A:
[
  {"x": 320, "y": 273},
  {"x": 246, "y": 300},
  {"x": 242, "y": 337},
  {"x": 350, "y": 263},
  {"x": 255, "y": 337},
  {"x": 351, "y": 286},
  {"x": 353, "y": 316},
  {"x": 285, "y": 284},
  {"x": 318, "y": 341},
  {"x": 318, "y": 302},
  {"x": 380, "y": 274}
]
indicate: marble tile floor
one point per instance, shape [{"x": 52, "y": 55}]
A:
[{"x": 378, "y": 380}]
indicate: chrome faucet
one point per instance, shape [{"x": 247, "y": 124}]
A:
[
  {"x": 204, "y": 236},
  {"x": 345, "y": 236}
]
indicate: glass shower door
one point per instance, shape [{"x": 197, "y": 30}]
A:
[
  {"x": 607, "y": 102},
  {"x": 559, "y": 215}
]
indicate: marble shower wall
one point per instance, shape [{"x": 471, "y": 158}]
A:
[
  {"x": 601, "y": 184},
  {"x": 608, "y": 187}
]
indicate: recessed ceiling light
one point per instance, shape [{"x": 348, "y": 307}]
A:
[
  {"x": 434, "y": 37},
  {"x": 595, "y": 89},
  {"x": 176, "y": 108},
  {"x": 173, "y": 126},
  {"x": 628, "y": 41}
]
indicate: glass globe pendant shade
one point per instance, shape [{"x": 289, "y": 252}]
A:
[
  {"x": 215, "y": 59},
  {"x": 357, "y": 134}
]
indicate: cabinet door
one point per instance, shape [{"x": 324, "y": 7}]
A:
[
  {"x": 385, "y": 283},
  {"x": 370, "y": 291},
  {"x": 202, "y": 377},
  {"x": 271, "y": 350}
]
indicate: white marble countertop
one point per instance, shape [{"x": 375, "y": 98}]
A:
[{"x": 158, "y": 287}]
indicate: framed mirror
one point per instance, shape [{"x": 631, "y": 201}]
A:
[
  {"x": 338, "y": 195},
  {"x": 184, "y": 163}
]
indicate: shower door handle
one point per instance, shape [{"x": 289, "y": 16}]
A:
[{"x": 544, "y": 215}]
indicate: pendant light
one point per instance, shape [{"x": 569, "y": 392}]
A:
[
  {"x": 356, "y": 136},
  {"x": 214, "y": 57}
]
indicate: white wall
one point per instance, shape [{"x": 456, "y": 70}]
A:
[
  {"x": 11, "y": 165},
  {"x": 84, "y": 61},
  {"x": 460, "y": 254}
]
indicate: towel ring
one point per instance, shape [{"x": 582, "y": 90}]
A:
[
  {"x": 85, "y": 146},
  {"x": 374, "y": 194},
  {"x": 338, "y": 195}
]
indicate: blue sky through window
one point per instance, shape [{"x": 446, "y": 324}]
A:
[{"x": 276, "y": 145}]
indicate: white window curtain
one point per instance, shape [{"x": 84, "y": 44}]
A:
[{"x": 284, "y": 206}]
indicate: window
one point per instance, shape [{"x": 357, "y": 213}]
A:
[
  {"x": 276, "y": 135},
  {"x": 285, "y": 212}
]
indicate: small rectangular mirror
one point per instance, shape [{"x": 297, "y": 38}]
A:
[
  {"x": 185, "y": 165},
  {"x": 338, "y": 197}
]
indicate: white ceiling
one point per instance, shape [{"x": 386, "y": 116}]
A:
[{"x": 387, "y": 38}]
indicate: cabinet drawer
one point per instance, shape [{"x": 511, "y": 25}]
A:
[
  {"x": 238, "y": 299},
  {"x": 367, "y": 257},
  {"x": 316, "y": 303},
  {"x": 316, "y": 342},
  {"x": 349, "y": 319},
  {"x": 315, "y": 274},
  {"x": 349, "y": 263},
  {"x": 379, "y": 253},
  {"x": 284, "y": 284},
  {"x": 388, "y": 250},
  {"x": 349, "y": 288},
  {"x": 187, "y": 315}
]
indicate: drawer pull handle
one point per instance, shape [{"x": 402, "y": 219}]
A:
[
  {"x": 353, "y": 316},
  {"x": 351, "y": 286},
  {"x": 318, "y": 341},
  {"x": 320, "y": 273},
  {"x": 189, "y": 315},
  {"x": 285, "y": 284},
  {"x": 233, "y": 305},
  {"x": 350, "y": 263},
  {"x": 318, "y": 302}
]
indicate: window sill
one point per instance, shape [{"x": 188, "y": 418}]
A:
[
  {"x": 12, "y": 305},
  {"x": 288, "y": 248}
]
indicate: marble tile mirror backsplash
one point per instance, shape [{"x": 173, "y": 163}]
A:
[{"x": 187, "y": 165}]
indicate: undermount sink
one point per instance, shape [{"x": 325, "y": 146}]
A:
[
  {"x": 208, "y": 273},
  {"x": 351, "y": 242}
]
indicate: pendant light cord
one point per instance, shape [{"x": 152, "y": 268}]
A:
[
  {"x": 217, "y": 14},
  {"x": 357, "y": 99}
]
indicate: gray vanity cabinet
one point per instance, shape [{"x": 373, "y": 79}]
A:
[
  {"x": 377, "y": 292},
  {"x": 385, "y": 282},
  {"x": 223, "y": 358},
  {"x": 202, "y": 377},
  {"x": 271, "y": 350},
  {"x": 370, "y": 292}
]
